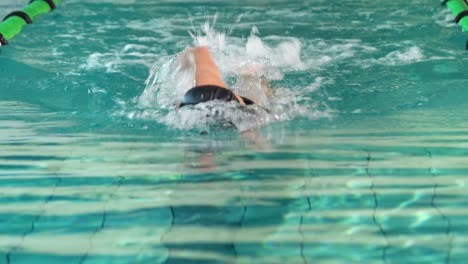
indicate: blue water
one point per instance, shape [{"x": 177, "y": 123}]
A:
[{"x": 362, "y": 158}]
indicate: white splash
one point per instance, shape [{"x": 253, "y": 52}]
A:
[
  {"x": 402, "y": 57},
  {"x": 247, "y": 66},
  {"x": 444, "y": 18}
]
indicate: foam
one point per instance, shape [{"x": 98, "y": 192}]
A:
[
  {"x": 444, "y": 18},
  {"x": 402, "y": 57},
  {"x": 131, "y": 54},
  {"x": 318, "y": 82},
  {"x": 322, "y": 53}
]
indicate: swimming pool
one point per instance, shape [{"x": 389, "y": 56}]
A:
[{"x": 364, "y": 162}]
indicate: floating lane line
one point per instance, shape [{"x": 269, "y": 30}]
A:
[{"x": 14, "y": 22}]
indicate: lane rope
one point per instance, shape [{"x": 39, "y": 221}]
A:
[
  {"x": 21, "y": 14},
  {"x": 50, "y": 2},
  {"x": 459, "y": 9},
  {"x": 14, "y": 22}
]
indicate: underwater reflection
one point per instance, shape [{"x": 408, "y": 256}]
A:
[
  {"x": 229, "y": 231},
  {"x": 203, "y": 158}
]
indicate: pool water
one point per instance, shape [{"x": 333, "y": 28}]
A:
[{"x": 361, "y": 158}]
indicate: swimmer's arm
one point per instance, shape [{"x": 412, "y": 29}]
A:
[
  {"x": 207, "y": 72},
  {"x": 266, "y": 87},
  {"x": 250, "y": 75}
]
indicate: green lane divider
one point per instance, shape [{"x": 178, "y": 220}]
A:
[
  {"x": 459, "y": 9},
  {"x": 14, "y": 22}
]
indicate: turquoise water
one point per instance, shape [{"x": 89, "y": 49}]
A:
[{"x": 362, "y": 159}]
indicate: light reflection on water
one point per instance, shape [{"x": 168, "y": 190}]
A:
[{"x": 332, "y": 195}]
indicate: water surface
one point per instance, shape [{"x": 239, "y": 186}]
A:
[{"x": 368, "y": 165}]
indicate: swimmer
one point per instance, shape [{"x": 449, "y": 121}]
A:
[{"x": 209, "y": 85}]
